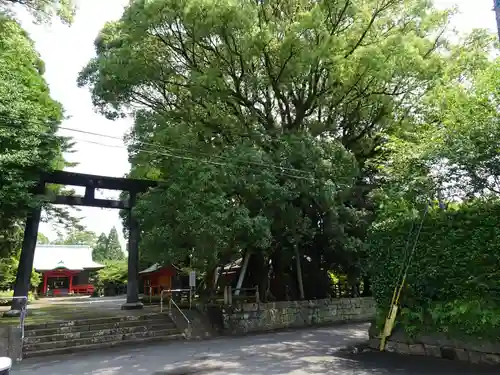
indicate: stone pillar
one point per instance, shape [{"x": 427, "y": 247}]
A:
[
  {"x": 23, "y": 276},
  {"x": 133, "y": 261}
]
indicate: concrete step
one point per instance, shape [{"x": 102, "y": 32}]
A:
[
  {"x": 96, "y": 321},
  {"x": 91, "y": 326},
  {"x": 102, "y": 340},
  {"x": 97, "y": 346},
  {"x": 41, "y": 337}
]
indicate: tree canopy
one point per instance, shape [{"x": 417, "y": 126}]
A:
[
  {"x": 29, "y": 120},
  {"x": 279, "y": 128},
  {"x": 76, "y": 236},
  {"x": 43, "y": 10},
  {"x": 42, "y": 239}
]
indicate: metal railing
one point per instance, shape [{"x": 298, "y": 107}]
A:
[
  {"x": 22, "y": 316},
  {"x": 172, "y": 302},
  {"x": 183, "y": 315},
  {"x": 170, "y": 291}
]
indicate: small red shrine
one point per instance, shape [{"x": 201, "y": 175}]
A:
[
  {"x": 65, "y": 269},
  {"x": 157, "y": 278}
]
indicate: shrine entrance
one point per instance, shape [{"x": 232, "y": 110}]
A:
[{"x": 90, "y": 182}]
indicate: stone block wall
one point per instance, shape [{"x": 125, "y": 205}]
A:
[
  {"x": 263, "y": 317},
  {"x": 10, "y": 342},
  {"x": 439, "y": 346}
]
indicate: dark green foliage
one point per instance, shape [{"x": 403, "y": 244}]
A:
[
  {"x": 268, "y": 131},
  {"x": 108, "y": 248},
  {"x": 452, "y": 283},
  {"x": 113, "y": 247},
  {"x": 287, "y": 136},
  {"x": 29, "y": 119},
  {"x": 99, "y": 249}
]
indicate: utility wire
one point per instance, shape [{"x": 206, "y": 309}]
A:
[
  {"x": 172, "y": 149},
  {"x": 157, "y": 152}
]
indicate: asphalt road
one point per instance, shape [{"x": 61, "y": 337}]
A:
[{"x": 302, "y": 352}]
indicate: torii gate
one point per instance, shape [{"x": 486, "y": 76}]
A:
[{"x": 91, "y": 183}]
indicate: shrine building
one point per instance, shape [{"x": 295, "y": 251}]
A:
[
  {"x": 163, "y": 277},
  {"x": 65, "y": 269}
]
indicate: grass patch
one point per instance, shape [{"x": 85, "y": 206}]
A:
[
  {"x": 57, "y": 313},
  {"x": 6, "y": 297}
]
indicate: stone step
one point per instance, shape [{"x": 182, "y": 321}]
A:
[
  {"x": 94, "y": 321},
  {"x": 90, "y": 326},
  {"x": 102, "y": 340},
  {"x": 96, "y": 346},
  {"x": 96, "y": 332}
]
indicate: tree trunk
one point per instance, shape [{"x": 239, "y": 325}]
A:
[
  {"x": 299, "y": 274},
  {"x": 277, "y": 282},
  {"x": 367, "y": 290},
  {"x": 243, "y": 271}
]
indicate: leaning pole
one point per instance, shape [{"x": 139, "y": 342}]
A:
[{"x": 496, "y": 8}]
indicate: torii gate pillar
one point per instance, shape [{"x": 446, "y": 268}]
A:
[{"x": 91, "y": 183}]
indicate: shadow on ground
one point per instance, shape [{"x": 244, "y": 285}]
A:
[{"x": 315, "y": 351}]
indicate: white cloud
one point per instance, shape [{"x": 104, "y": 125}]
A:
[{"x": 66, "y": 50}]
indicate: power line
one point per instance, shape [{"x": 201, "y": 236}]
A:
[
  {"x": 168, "y": 148},
  {"x": 156, "y": 152},
  {"x": 172, "y": 149}
]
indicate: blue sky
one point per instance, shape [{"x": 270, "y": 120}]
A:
[{"x": 66, "y": 50}]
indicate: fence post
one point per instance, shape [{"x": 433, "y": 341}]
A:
[{"x": 257, "y": 296}]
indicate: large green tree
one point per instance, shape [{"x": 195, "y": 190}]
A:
[
  {"x": 451, "y": 151},
  {"x": 29, "y": 119},
  {"x": 466, "y": 145},
  {"x": 264, "y": 119}
]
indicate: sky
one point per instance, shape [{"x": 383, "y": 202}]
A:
[{"x": 66, "y": 50}]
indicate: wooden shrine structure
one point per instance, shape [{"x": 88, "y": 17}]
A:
[
  {"x": 90, "y": 183},
  {"x": 65, "y": 269}
]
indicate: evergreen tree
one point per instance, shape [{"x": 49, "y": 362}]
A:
[
  {"x": 108, "y": 247},
  {"x": 99, "y": 250},
  {"x": 114, "y": 249}
]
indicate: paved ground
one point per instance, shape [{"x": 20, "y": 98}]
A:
[{"x": 303, "y": 352}]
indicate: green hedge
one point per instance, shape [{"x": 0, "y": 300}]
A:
[{"x": 453, "y": 282}]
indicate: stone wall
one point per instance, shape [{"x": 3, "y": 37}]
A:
[
  {"x": 10, "y": 342},
  {"x": 263, "y": 317},
  {"x": 440, "y": 346}
]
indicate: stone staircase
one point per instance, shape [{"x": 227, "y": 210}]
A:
[{"x": 88, "y": 334}]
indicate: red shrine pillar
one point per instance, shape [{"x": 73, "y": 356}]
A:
[
  {"x": 44, "y": 290},
  {"x": 70, "y": 282}
]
